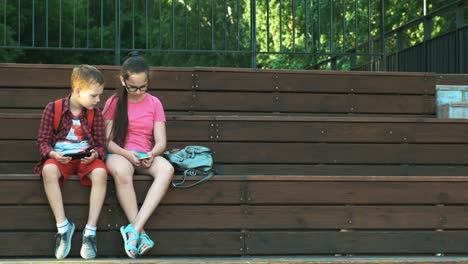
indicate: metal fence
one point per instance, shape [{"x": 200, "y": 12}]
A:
[{"x": 304, "y": 34}]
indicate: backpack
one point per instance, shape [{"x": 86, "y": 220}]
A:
[
  {"x": 191, "y": 161},
  {"x": 58, "y": 105}
]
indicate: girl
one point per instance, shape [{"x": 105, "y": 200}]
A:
[{"x": 134, "y": 120}]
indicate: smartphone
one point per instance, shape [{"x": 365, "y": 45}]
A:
[
  {"x": 143, "y": 155},
  {"x": 78, "y": 155}
]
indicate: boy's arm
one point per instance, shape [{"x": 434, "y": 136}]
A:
[
  {"x": 45, "y": 134},
  {"x": 99, "y": 134}
]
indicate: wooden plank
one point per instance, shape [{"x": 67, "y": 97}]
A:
[
  {"x": 315, "y": 217},
  {"x": 17, "y": 167},
  {"x": 49, "y": 76},
  {"x": 337, "y": 132},
  {"x": 278, "y": 131},
  {"x": 351, "y": 259},
  {"x": 269, "y": 260},
  {"x": 245, "y": 101},
  {"x": 355, "y": 193},
  {"x": 330, "y": 169},
  {"x": 295, "y": 153},
  {"x": 315, "y": 81},
  {"x": 32, "y": 218},
  {"x": 175, "y": 243},
  {"x": 281, "y": 131},
  {"x": 350, "y": 103},
  {"x": 32, "y": 192},
  {"x": 234, "y": 81},
  {"x": 313, "y": 103},
  {"x": 307, "y": 153},
  {"x": 365, "y": 83},
  {"x": 354, "y": 217},
  {"x": 38, "y": 98},
  {"x": 359, "y": 242},
  {"x": 452, "y": 79},
  {"x": 211, "y": 192}
]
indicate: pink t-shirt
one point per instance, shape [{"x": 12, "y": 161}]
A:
[{"x": 141, "y": 118}]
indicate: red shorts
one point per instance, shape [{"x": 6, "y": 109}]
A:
[{"x": 76, "y": 167}]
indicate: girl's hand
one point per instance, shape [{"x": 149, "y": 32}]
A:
[
  {"x": 58, "y": 156},
  {"x": 133, "y": 157},
  {"x": 146, "y": 163},
  {"x": 91, "y": 158}
]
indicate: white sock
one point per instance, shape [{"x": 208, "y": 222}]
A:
[
  {"x": 63, "y": 227},
  {"x": 90, "y": 230}
]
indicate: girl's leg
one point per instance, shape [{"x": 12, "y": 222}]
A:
[
  {"x": 122, "y": 172},
  {"x": 50, "y": 176},
  {"x": 162, "y": 172}
]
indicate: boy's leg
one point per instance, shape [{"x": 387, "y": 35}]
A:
[
  {"x": 122, "y": 172},
  {"x": 51, "y": 176},
  {"x": 98, "y": 178}
]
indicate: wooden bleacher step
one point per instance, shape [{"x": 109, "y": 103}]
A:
[{"x": 255, "y": 260}]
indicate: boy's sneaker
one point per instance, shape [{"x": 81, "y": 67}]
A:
[
  {"x": 88, "y": 248},
  {"x": 63, "y": 242}
]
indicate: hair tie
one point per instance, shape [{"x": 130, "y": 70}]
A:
[{"x": 135, "y": 53}]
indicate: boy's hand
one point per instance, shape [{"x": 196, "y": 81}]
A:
[
  {"x": 87, "y": 160},
  {"x": 58, "y": 156}
]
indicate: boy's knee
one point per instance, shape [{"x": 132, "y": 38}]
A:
[
  {"x": 50, "y": 172},
  {"x": 99, "y": 176}
]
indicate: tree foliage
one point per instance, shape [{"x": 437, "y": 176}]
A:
[{"x": 298, "y": 34}]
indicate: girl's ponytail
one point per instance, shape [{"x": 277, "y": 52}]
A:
[{"x": 133, "y": 64}]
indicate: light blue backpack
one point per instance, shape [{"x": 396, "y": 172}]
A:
[{"x": 191, "y": 161}]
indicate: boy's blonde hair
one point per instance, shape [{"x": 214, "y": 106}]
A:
[{"x": 85, "y": 75}]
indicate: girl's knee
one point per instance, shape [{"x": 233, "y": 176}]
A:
[
  {"x": 168, "y": 169},
  {"x": 121, "y": 176},
  {"x": 163, "y": 169}
]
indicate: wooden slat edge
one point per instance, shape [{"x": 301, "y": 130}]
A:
[
  {"x": 354, "y": 178},
  {"x": 227, "y": 69},
  {"x": 258, "y": 260},
  {"x": 357, "y": 119}
]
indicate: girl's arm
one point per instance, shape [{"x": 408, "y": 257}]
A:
[
  {"x": 159, "y": 138},
  {"x": 112, "y": 147}
]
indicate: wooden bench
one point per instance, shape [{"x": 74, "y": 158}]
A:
[
  {"x": 314, "y": 181},
  {"x": 233, "y": 91}
]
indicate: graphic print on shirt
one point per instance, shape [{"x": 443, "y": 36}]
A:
[{"x": 75, "y": 140}]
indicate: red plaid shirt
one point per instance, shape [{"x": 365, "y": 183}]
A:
[{"x": 47, "y": 137}]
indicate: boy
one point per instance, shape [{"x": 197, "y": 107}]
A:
[{"x": 76, "y": 128}]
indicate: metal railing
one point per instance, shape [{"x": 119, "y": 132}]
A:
[
  {"x": 251, "y": 32},
  {"x": 306, "y": 34}
]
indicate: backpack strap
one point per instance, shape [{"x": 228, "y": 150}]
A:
[
  {"x": 90, "y": 118},
  {"x": 192, "y": 172},
  {"x": 58, "y": 106}
]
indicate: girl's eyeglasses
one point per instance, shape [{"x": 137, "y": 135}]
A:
[{"x": 134, "y": 89}]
